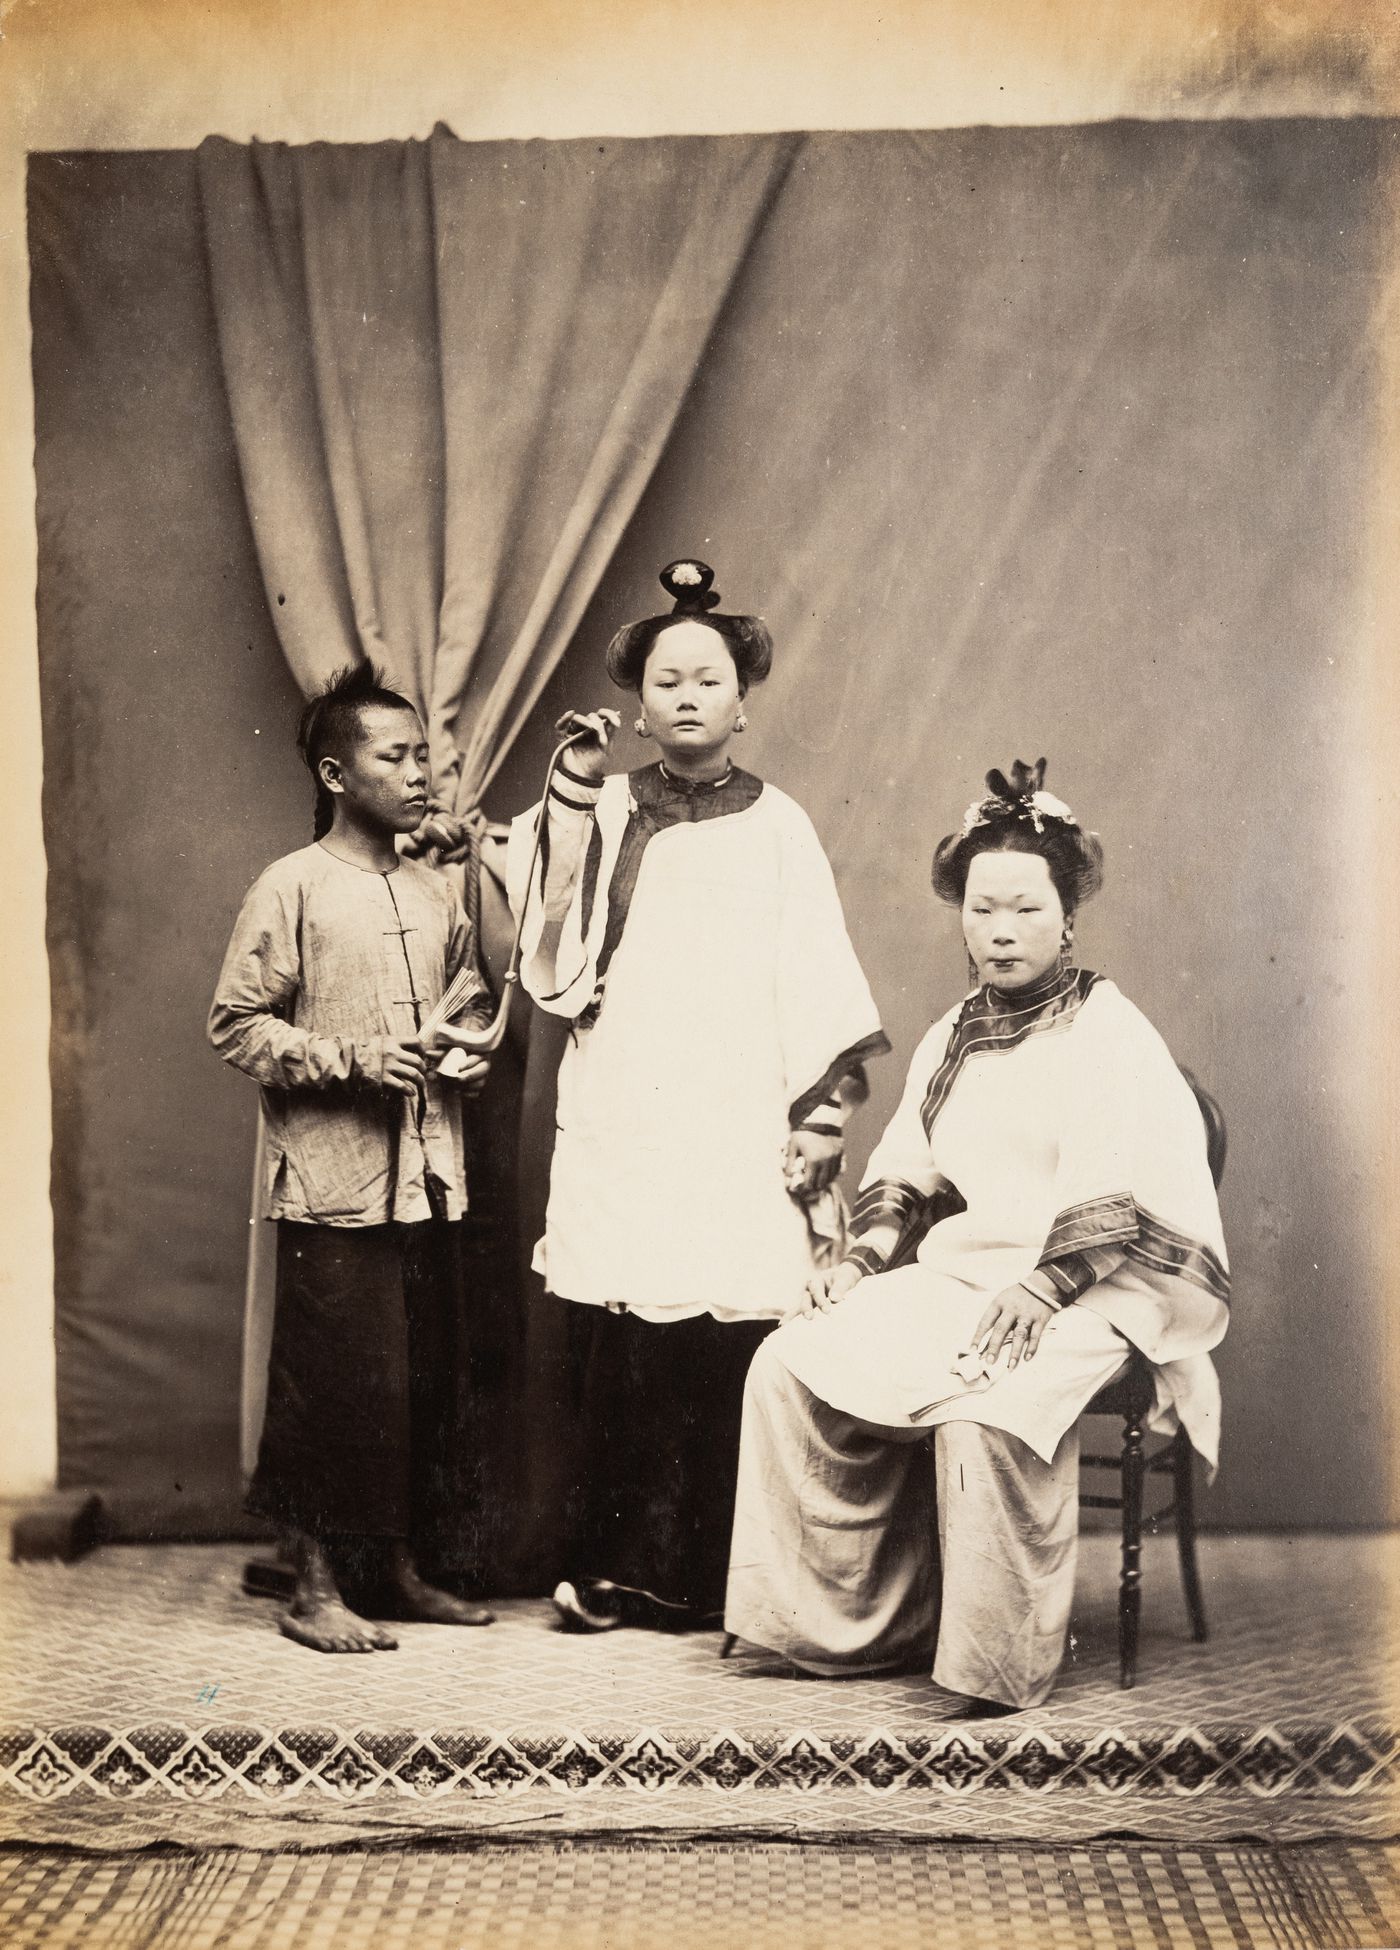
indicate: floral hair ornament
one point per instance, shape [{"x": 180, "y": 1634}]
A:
[{"x": 1019, "y": 797}]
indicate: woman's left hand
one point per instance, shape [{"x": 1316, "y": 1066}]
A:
[
  {"x": 1015, "y": 1317},
  {"x": 812, "y": 1162}
]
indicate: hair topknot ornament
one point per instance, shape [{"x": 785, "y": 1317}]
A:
[
  {"x": 1019, "y": 797},
  {"x": 688, "y": 584}
]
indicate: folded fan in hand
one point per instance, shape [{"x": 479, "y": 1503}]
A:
[{"x": 464, "y": 987}]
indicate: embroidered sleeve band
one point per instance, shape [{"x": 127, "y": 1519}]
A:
[
  {"x": 567, "y": 771},
  {"x": 578, "y": 798},
  {"x": 888, "y": 1201},
  {"x": 1062, "y": 1280},
  {"x": 850, "y": 1063},
  {"x": 828, "y": 1119},
  {"x": 1090, "y": 1240}
]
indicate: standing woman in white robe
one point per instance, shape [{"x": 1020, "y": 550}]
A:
[
  {"x": 1054, "y": 1111},
  {"x": 684, "y": 919}
]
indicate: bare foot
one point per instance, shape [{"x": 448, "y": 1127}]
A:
[
  {"x": 329, "y": 1625},
  {"x": 318, "y": 1616},
  {"x": 414, "y": 1601}
]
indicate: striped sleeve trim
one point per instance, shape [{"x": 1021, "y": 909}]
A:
[
  {"x": 1108, "y": 1221},
  {"x": 558, "y": 794},
  {"x": 889, "y": 1201},
  {"x": 1074, "y": 1250},
  {"x": 1069, "y": 1275},
  {"x": 1164, "y": 1250},
  {"x": 827, "y": 1119},
  {"x": 868, "y": 1258},
  {"x": 849, "y": 1063},
  {"x": 577, "y": 778}
]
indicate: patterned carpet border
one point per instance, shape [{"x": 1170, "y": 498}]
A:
[{"x": 356, "y": 1765}]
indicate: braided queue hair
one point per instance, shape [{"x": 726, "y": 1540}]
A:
[
  {"x": 688, "y": 583},
  {"x": 1018, "y": 817},
  {"x": 330, "y": 725}
]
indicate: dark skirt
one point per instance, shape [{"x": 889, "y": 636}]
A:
[
  {"x": 659, "y": 1408},
  {"x": 369, "y": 1425}
]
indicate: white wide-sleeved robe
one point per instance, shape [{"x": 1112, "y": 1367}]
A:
[
  {"x": 727, "y": 1008},
  {"x": 1072, "y": 1137}
]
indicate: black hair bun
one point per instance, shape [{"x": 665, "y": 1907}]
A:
[
  {"x": 1024, "y": 782},
  {"x": 687, "y": 582}
]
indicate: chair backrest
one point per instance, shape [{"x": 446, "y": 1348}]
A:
[{"x": 1214, "y": 1120}]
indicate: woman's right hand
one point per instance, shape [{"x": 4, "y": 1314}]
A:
[
  {"x": 827, "y": 1288},
  {"x": 589, "y": 756}
]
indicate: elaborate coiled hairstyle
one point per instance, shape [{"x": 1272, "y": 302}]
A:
[
  {"x": 1018, "y": 816},
  {"x": 689, "y": 585}
]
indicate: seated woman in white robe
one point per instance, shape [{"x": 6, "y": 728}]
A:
[
  {"x": 1054, "y": 1111},
  {"x": 685, "y": 921}
]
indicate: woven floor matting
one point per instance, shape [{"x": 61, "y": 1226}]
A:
[{"x": 601, "y": 1896}]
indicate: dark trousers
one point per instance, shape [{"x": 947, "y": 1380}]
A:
[
  {"x": 659, "y": 1408},
  {"x": 369, "y": 1426}
]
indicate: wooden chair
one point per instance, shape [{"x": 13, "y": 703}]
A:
[{"x": 1130, "y": 1395}]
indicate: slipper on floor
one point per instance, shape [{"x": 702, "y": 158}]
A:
[{"x": 576, "y": 1616}]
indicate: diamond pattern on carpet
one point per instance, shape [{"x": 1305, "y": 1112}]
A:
[
  {"x": 163, "y": 1682},
  {"x": 611, "y": 1897}
]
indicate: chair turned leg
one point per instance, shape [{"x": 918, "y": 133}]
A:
[
  {"x": 727, "y": 1644},
  {"x": 1184, "y": 1484},
  {"x": 1130, "y": 1582}
]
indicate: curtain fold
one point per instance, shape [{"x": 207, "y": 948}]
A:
[
  {"x": 452, "y": 369},
  {"x": 322, "y": 270},
  {"x": 579, "y": 284}
]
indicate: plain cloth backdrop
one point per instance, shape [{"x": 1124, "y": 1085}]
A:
[{"x": 1023, "y": 441}]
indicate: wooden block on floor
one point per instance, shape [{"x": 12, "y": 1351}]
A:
[
  {"x": 64, "y": 1524},
  {"x": 263, "y": 1577}
]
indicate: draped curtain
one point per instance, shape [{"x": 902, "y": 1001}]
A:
[
  {"x": 452, "y": 368},
  {"x": 451, "y": 371}
]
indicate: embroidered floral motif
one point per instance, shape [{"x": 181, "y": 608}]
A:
[
  {"x": 577, "y": 1768},
  {"x": 348, "y": 1774},
  {"x": 1343, "y": 1761}
]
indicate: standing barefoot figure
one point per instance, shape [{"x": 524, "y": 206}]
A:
[{"x": 339, "y": 953}]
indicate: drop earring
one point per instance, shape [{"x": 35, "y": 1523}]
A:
[
  {"x": 642, "y": 729},
  {"x": 1067, "y": 945},
  {"x": 741, "y": 723}
]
